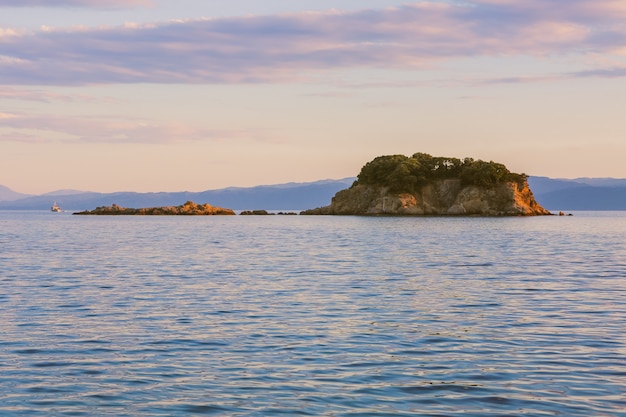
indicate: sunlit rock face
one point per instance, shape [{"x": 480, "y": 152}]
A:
[{"x": 444, "y": 197}]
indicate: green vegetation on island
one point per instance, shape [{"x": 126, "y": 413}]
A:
[{"x": 404, "y": 174}]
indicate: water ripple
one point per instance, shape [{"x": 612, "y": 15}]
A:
[{"x": 312, "y": 316}]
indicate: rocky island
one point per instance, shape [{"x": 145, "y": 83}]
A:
[
  {"x": 425, "y": 185},
  {"x": 188, "y": 209}
]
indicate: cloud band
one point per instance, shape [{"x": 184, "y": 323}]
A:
[{"x": 291, "y": 46}]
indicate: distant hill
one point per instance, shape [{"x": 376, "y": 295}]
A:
[
  {"x": 63, "y": 192},
  {"x": 290, "y": 196},
  {"x": 6, "y": 194},
  {"x": 553, "y": 194},
  {"x": 602, "y": 182},
  {"x": 579, "y": 193}
]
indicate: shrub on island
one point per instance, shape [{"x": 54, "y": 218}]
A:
[{"x": 407, "y": 174}]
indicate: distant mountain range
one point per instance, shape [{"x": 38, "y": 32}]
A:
[
  {"x": 553, "y": 194},
  {"x": 579, "y": 193},
  {"x": 290, "y": 196}
]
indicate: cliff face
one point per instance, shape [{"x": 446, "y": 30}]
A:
[{"x": 444, "y": 197}]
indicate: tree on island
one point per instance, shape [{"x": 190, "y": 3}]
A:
[{"x": 403, "y": 174}]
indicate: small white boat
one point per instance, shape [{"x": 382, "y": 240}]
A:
[{"x": 55, "y": 208}]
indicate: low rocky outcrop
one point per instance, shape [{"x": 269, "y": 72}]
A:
[
  {"x": 188, "y": 209},
  {"x": 255, "y": 213},
  {"x": 441, "y": 197},
  {"x": 266, "y": 213}
]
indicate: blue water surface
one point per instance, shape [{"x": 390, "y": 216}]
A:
[{"x": 312, "y": 315}]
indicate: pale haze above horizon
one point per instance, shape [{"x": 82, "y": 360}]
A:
[{"x": 192, "y": 95}]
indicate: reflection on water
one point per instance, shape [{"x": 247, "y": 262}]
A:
[{"x": 322, "y": 316}]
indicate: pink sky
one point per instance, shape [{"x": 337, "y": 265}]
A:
[{"x": 136, "y": 95}]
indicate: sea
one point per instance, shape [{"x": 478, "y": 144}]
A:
[{"x": 339, "y": 316}]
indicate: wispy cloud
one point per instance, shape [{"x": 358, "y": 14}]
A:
[
  {"x": 294, "y": 46},
  {"x": 99, "y": 4},
  {"x": 613, "y": 72},
  {"x": 32, "y": 128},
  {"x": 29, "y": 94}
]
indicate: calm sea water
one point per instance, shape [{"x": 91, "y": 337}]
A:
[{"x": 308, "y": 315}]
